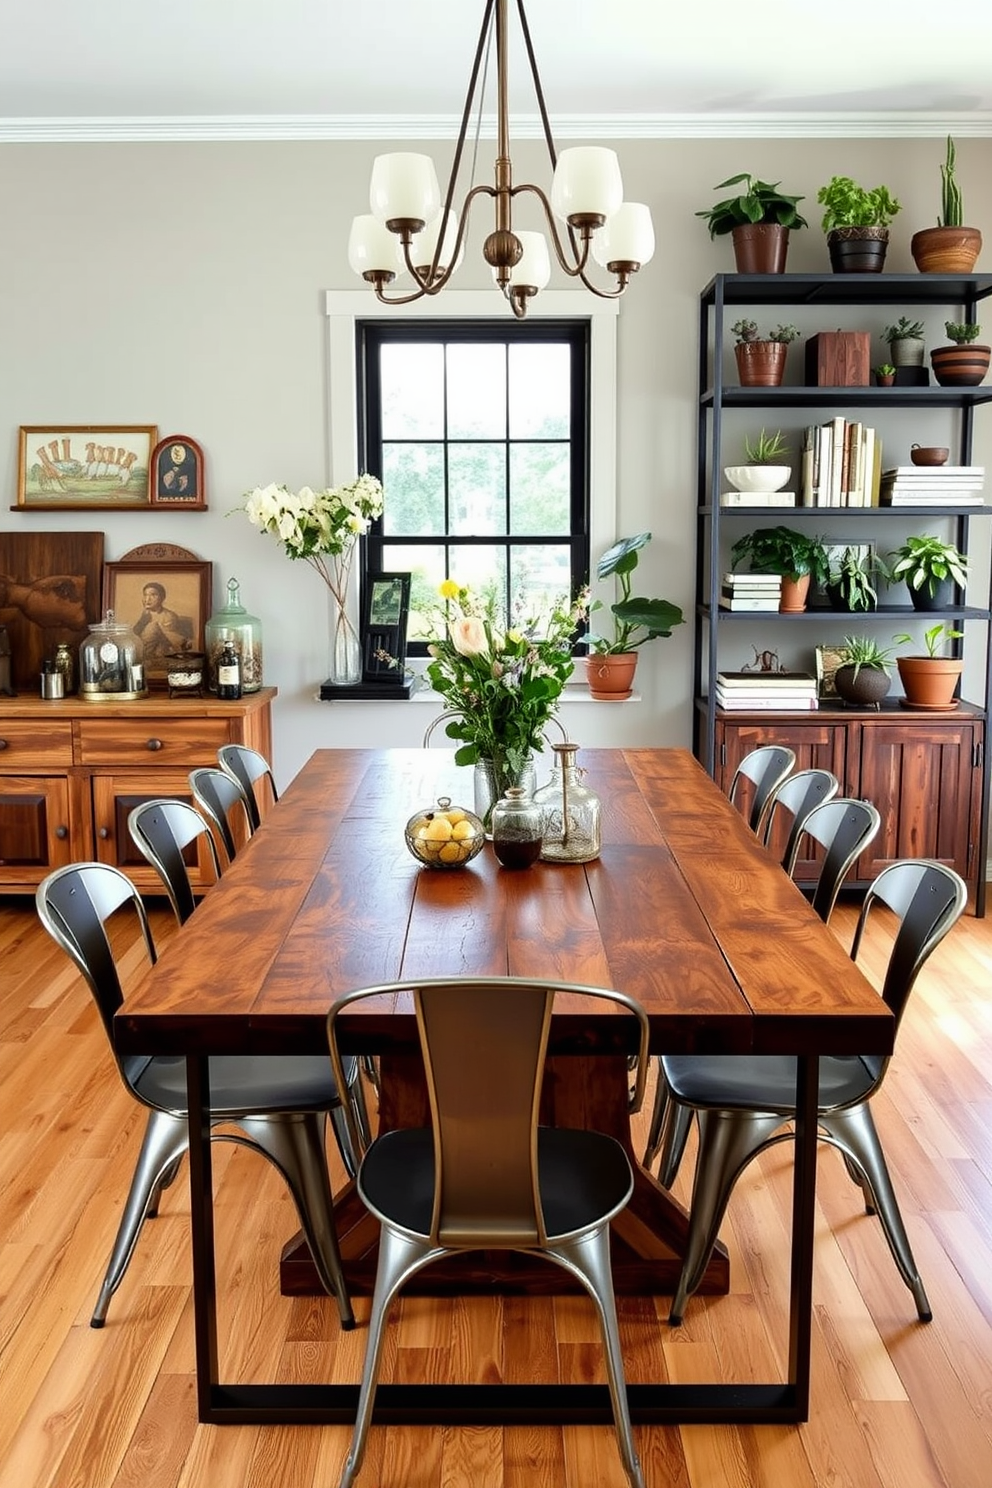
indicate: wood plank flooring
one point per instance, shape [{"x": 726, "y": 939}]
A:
[{"x": 895, "y": 1404}]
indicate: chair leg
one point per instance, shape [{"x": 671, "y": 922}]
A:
[
  {"x": 728, "y": 1140},
  {"x": 165, "y": 1140},
  {"x": 400, "y": 1257},
  {"x": 588, "y": 1260},
  {"x": 295, "y": 1145},
  {"x": 167, "y": 1179},
  {"x": 658, "y": 1113},
  {"x": 676, "y": 1135},
  {"x": 853, "y": 1131}
]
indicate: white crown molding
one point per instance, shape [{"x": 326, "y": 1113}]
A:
[{"x": 228, "y": 127}]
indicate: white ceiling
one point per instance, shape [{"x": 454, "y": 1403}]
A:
[{"x": 88, "y": 69}]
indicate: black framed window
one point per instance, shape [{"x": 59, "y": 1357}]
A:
[{"x": 479, "y": 432}]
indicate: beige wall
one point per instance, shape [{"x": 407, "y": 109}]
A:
[{"x": 182, "y": 285}]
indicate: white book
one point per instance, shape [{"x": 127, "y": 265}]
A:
[
  {"x": 760, "y": 580},
  {"x": 751, "y": 602},
  {"x": 787, "y": 702},
  {"x": 928, "y": 472},
  {"x": 763, "y": 681},
  {"x": 758, "y": 499}
]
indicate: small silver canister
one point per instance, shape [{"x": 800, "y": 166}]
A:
[{"x": 52, "y": 681}]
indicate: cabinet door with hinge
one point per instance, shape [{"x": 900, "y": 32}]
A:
[
  {"x": 925, "y": 777},
  {"x": 115, "y": 795},
  {"x": 35, "y": 828}
]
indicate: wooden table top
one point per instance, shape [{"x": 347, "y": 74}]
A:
[{"x": 684, "y": 910}]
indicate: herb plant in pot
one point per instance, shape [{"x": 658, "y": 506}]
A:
[
  {"x": 856, "y": 222},
  {"x": 863, "y": 677},
  {"x": 759, "y": 219},
  {"x": 761, "y": 362},
  {"x": 964, "y": 363},
  {"x": 612, "y": 660},
  {"x": 905, "y": 342},
  {"x": 929, "y": 680},
  {"x": 763, "y": 471},
  {"x": 931, "y": 569},
  {"x": 800, "y": 560},
  {"x": 852, "y": 579},
  {"x": 948, "y": 248}
]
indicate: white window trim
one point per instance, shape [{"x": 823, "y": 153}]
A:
[{"x": 344, "y": 307}]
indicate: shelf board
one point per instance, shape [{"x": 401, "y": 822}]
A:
[
  {"x": 837, "y": 397},
  {"x": 858, "y": 513},
  {"x": 849, "y": 617},
  {"x": 848, "y": 289},
  {"x": 833, "y": 707}
]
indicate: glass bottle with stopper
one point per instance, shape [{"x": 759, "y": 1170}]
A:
[
  {"x": 571, "y": 811},
  {"x": 234, "y": 623},
  {"x": 518, "y": 824}
]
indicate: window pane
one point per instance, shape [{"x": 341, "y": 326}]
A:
[
  {"x": 412, "y": 390},
  {"x": 476, "y": 391},
  {"x": 426, "y": 569},
  {"x": 539, "y": 489},
  {"x": 540, "y": 578},
  {"x": 540, "y": 392},
  {"x": 413, "y": 486},
  {"x": 477, "y": 488},
  {"x": 481, "y": 568}
]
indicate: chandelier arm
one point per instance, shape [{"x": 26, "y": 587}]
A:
[
  {"x": 579, "y": 262},
  {"x": 538, "y": 89}
]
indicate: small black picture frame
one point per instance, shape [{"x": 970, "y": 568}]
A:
[{"x": 387, "y": 604}]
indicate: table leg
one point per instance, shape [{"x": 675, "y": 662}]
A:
[{"x": 202, "y": 1233}]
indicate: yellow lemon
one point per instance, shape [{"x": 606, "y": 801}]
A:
[
  {"x": 455, "y": 816},
  {"x": 463, "y": 830},
  {"x": 451, "y": 852},
  {"x": 421, "y": 834},
  {"x": 438, "y": 829}
]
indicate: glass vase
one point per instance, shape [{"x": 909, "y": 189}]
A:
[
  {"x": 493, "y": 777},
  {"x": 346, "y": 651}
]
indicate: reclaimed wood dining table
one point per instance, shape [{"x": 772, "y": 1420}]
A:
[{"x": 684, "y": 909}]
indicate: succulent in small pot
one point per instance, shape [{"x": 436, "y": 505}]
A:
[
  {"x": 759, "y": 219},
  {"x": 930, "y": 569},
  {"x": 885, "y": 374},
  {"x": 761, "y": 361},
  {"x": 856, "y": 220},
  {"x": 905, "y": 342},
  {"x": 800, "y": 559},
  {"x": 964, "y": 363},
  {"x": 763, "y": 472},
  {"x": 929, "y": 681},
  {"x": 863, "y": 676},
  {"x": 950, "y": 247}
]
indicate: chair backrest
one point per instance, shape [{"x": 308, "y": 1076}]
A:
[
  {"x": 766, "y": 767},
  {"x": 217, "y": 794},
  {"x": 798, "y": 795},
  {"x": 74, "y": 905},
  {"x": 483, "y": 1042},
  {"x": 928, "y": 899},
  {"x": 246, "y": 766},
  {"x": 162, "y": 830},
  {"x": 843, "y": 828}
]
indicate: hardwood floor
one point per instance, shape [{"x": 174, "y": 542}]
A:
[{"x": 895, "y": 1404}]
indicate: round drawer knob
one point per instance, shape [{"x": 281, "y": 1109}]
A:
[
  {"x": 61, "y": 833},
  {"x": 3, "y": 743},
  {"x": 103, "y": 833},
  {"x": 153, "y": 745}
]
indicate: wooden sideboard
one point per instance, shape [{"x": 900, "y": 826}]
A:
[{"x": 71, "y": 771}]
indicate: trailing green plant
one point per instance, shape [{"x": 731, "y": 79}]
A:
[
  {"x": 904, "y": 330},
  {"x": 631, "y": 614},
  {"x": 782, "y": 550},
  {"x": 862, "y": 651},
  {"x": 766, "y": 449},
  {"x": 854, "y": 578},
  {"x": 758, "y": 202},
  {"x": 925, "y": 562},
  {"x": 747, "y": 330},
  {"x": 934, "y": 639},
  {"x": 950, "y": 191},
  {"x": 849, "y": 205},
  {"x": 962, "y": 333}
]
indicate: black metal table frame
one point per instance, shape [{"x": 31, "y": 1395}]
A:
[{"x": 661, "y": 1403}]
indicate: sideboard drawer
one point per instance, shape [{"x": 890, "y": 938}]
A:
[
  {"x": 28, "y": 743},
  {"x": 160, "y": 739}
]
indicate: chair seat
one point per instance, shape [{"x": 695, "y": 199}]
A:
[
  {"x": 584, "y": 1176},
  {"x": 246, "y": 1083},
  {"x": 764, "y": 1082}
]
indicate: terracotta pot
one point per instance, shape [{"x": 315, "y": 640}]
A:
[
  {"x": 858, "y": 250},
  {"x": 946, "y": 250},
  {"x": 760, "y": 363},
  {"x": 611, "y": 678},
  {"x": 885, "y": 379},
  {"x": 868, "y": 688},
  {"x": 960, "y": 366},
  {"x": 760, "y": 247},
  {"x": 929, "y": 681},
  {"x": 794, "y": 592}
]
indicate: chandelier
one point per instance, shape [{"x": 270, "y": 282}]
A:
[{"x": 409, "y": 229}]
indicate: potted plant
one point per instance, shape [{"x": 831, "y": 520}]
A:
[
  {"x": 885, "y": 374},
  {"x": 799, "y": 559},
  {"x": 759, "y": 219},
  {"x": 948, "y": 248},
  {"x": 929, "y": 681},
  {"x": 612, "y": 660},
  {"x": 763, "y": 471},
  {"x": 856, "y": 222},
  {"x": 964, "y": 363},
  {"x": 761, "y": 363},
  {"x": 905, "y": 341},
  {"x": 930, "y": 568},
  {"x": 851, "y": 582},
  {"x": 863, "y": 676}
]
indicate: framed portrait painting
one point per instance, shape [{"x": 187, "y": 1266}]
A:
[
  {"x": 165, "y": 602},
  {"x": 84, "y": 467},
  {"x": 177, "y": 475}
]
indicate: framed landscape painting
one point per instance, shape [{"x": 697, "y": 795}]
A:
[{"x": 84, "y": 467}]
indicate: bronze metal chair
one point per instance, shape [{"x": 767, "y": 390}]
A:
[
  {"x": 218, "y": 797},
  {"x": 246, "y": 766},
  {"x": 279, "y": 1103},
  {"x": 766, "y": 768},
  {"x": 742, "y": 1102},
  {"x": 484, "y": 1175}
]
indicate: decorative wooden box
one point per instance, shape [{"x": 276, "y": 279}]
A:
[{"x": 839, "y": 359}]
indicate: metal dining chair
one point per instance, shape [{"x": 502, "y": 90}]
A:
[
  {"x": 742, "y": 1102},
  {"x": 279, "y": 1103},
  {"x": 163, "y": 830},
  {"x": 797, "y": 796},
  {"x": 218, "y": 797},
  {"x": 766, "y": 768},
  {"x": 246, "y": 766},
  {"x": 484, "y": 1175}
]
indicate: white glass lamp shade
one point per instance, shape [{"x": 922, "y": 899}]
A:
[
  {"x": 533, "y": 270},
  {"x": 373, "y": 248},
  {"x": 404, "y": 185},
  {"x": 424, "y": 244},
  {"x": 628, "y": 237},
  {"x": 586, "y": 180}
]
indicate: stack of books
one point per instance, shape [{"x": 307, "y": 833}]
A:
[
  {"x": 758, "y": 498},
  {"x": 750, "y": 692},
  {"x": 933, "y": 485},
  {"x": 750, "y": 591},
  {"x": 840, "y": 464}
]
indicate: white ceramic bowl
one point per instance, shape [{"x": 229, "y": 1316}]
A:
[{"x": 758, "y": 477}]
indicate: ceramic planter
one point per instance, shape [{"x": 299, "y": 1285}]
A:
[
  {"x": 794, "y": 592},
  {"x": 866, "y": 689},
  {"x": 941, "y": 597},
  {"x": 611, "y": 678},
  {"x": 960, "y": 366},
  {"x": 946, "y": 250},
  {"x": 760, "y": 363},
  {"x": 929, "y": 681},
  {"x": 760, "y": 247},
  {"x": 858, "y": 250},
  {"x": 906, "y": 351}
]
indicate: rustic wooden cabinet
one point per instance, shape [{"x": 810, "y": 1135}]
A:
[{"x": 71, "y": 771}]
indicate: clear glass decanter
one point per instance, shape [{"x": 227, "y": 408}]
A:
[{"x": 571, "y": 811}]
